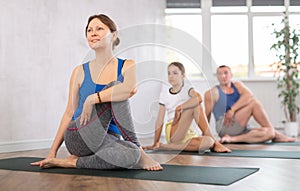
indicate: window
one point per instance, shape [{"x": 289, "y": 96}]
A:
[
  {"x": 229, "y": 36},
  {"x": 191, "y": 25},
  {"x": 262, "y": 42},
  {"x": 239, "y": 32}
]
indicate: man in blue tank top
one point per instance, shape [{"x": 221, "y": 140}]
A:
[{"x": 233, "y": 104}]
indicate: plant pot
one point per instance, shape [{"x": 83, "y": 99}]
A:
[{"x": 291, "y": 129}]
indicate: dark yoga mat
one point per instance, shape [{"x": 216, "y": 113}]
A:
[
  {"x": 284, "y": 143},
  {"x": 272, "y": 143},
  {"x": 238, "y": 153},
  {"x": 173, "y": 173}
]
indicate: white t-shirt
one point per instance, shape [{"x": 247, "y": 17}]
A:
[{"x": 171, "y": 100}]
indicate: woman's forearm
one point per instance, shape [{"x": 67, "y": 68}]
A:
[
  {"x": 119, "y": 92},
  {"x": 157, "y": 134},
  {"x": 59, "y": 138}
]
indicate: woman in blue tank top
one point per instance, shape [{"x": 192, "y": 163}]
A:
[
  {"x": 98, "y": 111},
  {"x": 89, "y": 87}
]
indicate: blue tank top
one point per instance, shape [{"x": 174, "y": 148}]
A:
[
  {"x": 225, "y": 101},
  {"x": 88, "y": 87}
]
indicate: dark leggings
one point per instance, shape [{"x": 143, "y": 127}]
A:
[{"x": 98, "y": 149}]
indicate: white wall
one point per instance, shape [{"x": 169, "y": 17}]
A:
[
  {"x": 40, "y": 44},
  {"x": 267, "y": 93}
]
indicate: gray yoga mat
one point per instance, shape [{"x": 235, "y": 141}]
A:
[
  {"x": 238, "y": 153},
  {"x": 173, "y": 173}
]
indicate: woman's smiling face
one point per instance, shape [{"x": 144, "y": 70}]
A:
[{"x": 98, "y": 34}]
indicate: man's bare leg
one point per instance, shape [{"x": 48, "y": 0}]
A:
[
  {"x": 254, "y": 138},
  {"x": 261, "y": 117},
  {"x": 255, "y": 109},
  {"x": 256, "y": 135},
  {"x": 279, "y": 137}
]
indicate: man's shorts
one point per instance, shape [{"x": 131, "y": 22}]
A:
[
  {"x": 191, "y": 133},
  {"x": 232, "y": 130}
]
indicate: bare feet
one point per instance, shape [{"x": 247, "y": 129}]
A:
[
  {"x": 147, "y": 163},
  {"x": 226, "y": 139},
  {"x": 219, "y": 148},
  {"x": 69, "y": 162},
  {"x": 279, "y": 137}
]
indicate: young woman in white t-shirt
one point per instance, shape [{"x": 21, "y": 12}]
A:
[{"x": 183, "y": 105}]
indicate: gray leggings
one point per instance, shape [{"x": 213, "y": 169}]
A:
[{"x": 98, "y": 149}]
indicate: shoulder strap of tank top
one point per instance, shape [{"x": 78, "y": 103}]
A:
[
  {"x": 120, "y": 66},
  {"x": 87, "y": 73},
  {"x": 219, "y": 89},
  {"x": 234, "y": 88}
]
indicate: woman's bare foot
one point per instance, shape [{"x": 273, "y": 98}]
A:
[
  {"x": 279, "y": 137},
  {"x": 219, "y": 148},
  {"x": 226, "y": 139},
  {"x": 69, "y": 162},
  {"x": 147, "y": 163}
]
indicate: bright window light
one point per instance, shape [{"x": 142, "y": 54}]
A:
[{"x": 230, "y": 42}]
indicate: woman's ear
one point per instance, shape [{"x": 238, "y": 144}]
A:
[{"x": 115, "y": 35}]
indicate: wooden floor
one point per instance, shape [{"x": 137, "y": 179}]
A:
[{"x": 274, "y": 174}]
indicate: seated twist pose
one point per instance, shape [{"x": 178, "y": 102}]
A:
[
  {"x": 232, "y": 104},
  {"x": 98, "y": 112}
]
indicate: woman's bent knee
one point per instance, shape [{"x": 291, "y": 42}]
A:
[{"x": 131, "y": 154}]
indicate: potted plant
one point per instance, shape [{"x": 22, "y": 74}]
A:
[{"x": 287, "y": 69}]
